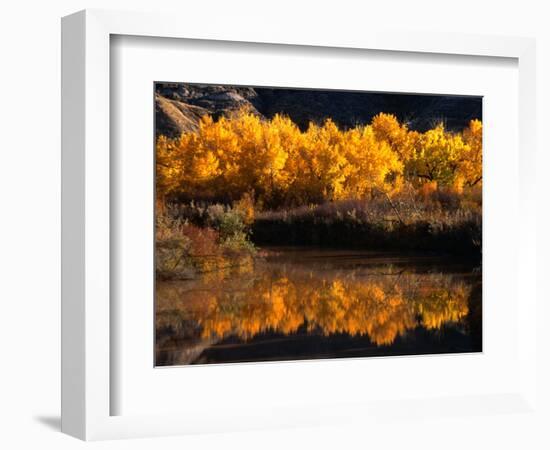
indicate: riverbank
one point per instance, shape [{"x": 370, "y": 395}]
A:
[
  {"x": 185, "y": 251},
  {"x": 456, "y": 233},
  {"x": 442, "y": 221},
  {"x": 195, "y": 238}
]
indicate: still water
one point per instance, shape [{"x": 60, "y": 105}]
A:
[{"x": 297, "y": 304}]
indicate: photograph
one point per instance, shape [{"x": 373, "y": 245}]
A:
[{"x": 294, "y": 223}]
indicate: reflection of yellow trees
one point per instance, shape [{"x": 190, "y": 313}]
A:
[
  {"x": 441, "y": 306},
  {"x": 285, "y": 165},
  {"x": 380, "y": 307}
]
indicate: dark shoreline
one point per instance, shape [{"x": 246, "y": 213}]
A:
[{"x": 461, "y": 241}]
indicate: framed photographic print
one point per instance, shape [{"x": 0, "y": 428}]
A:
[
  {"x": 248, "y": 246},
  {"x": 306, "y": 224}
]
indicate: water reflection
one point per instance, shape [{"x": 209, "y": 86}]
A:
[{"x": 321, "y": 295}]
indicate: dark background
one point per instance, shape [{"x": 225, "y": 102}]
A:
[{"x": 179, "y": 106}]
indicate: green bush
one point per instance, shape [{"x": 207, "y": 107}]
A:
[{"x": 229, "y": 222}]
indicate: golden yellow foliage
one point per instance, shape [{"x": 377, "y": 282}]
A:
[
  {"x": 279, "y": 164},
  {"x": 471, "y": 163},
  {"x": 438, "y": 157},
  {"x": 387, "y": 128},
  {"x": 245, "y": 207}
]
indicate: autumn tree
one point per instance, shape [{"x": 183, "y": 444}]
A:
[
  {"x": 471, "y": 162},
  {"x": 438, "y": 156},
  {"x": 277, "y": 164}
]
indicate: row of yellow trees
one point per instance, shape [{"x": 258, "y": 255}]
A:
[{"x": 282, "y": 165}]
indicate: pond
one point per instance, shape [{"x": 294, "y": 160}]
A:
[{"x": 308, "y": 303}]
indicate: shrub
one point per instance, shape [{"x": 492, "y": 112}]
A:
[
  {"x": 226, "y": 220},
  {"x": 184, "y": 248},
  {"x": 246, "y": 208}
]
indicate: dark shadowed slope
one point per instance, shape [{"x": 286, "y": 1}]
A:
[{"x": 179, "y": 106}]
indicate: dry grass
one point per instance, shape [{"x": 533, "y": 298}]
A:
[{"x": 442, "y": 221}]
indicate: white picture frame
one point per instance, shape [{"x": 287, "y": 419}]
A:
[{"x": 86, "y": 284}]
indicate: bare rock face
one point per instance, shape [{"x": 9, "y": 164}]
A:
[
  {"x": 175, "y": 117},
  {"x": 179, "y": 106}
]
